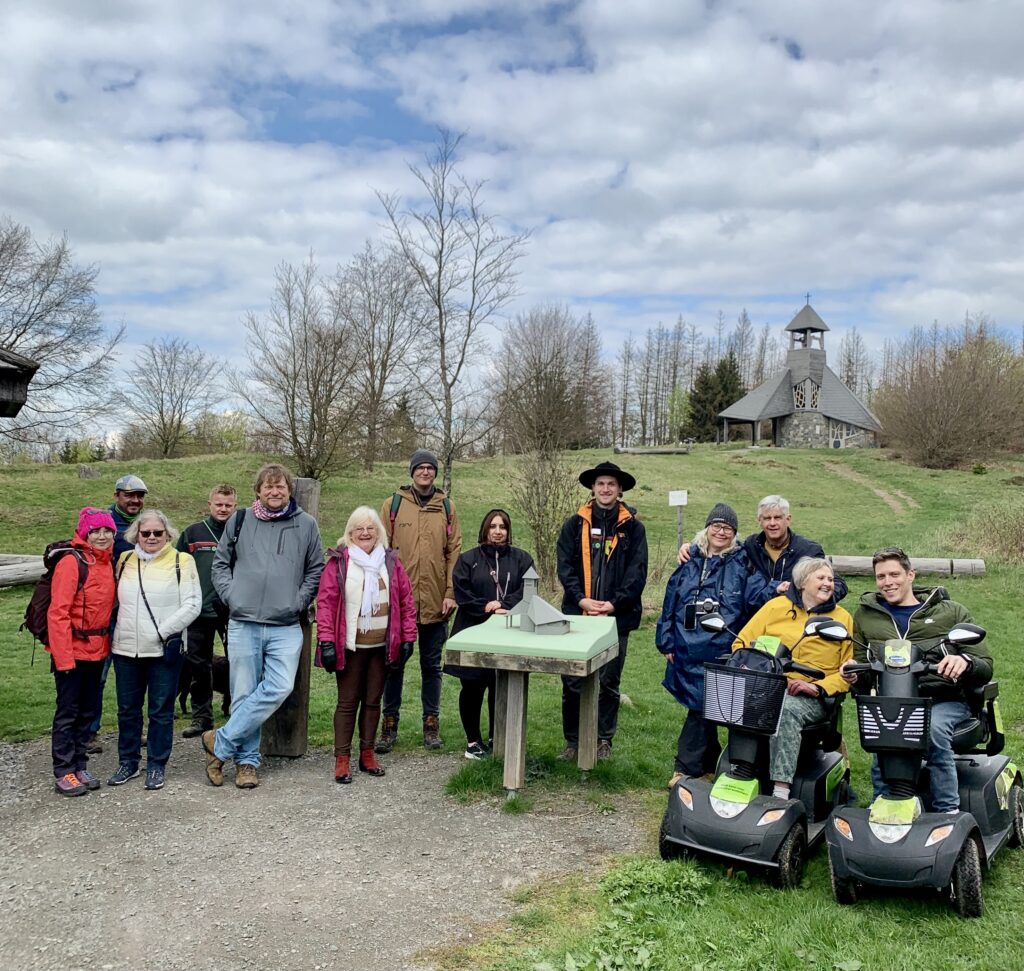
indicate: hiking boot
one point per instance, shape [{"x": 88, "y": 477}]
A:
[
  {"x": 246, "y": 777},
  {"x": 343, "y": 769},
  {"x": 368, "y": 763},
  {"x": 475, "y": 752},
  {"x": 388, "y": 735},
  {"x": 69, "y": 785},
  {"x": 194, "y": 730},
  {"x": 214, "y": 766},
  {"x": 569, "y": 754},
  {"x": 155, "y": 777},
  {"x": 125, "y": 771},
  {"x": 94, "y": 746},
  {"x": 431, "y": 733},
  {"x": 604, "y": 750},
  {"x": 87, "y": 779}
]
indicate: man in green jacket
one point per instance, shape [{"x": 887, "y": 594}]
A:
[
  {"x": 201, "y": 540},
  {"x": 922, "y": 616}
]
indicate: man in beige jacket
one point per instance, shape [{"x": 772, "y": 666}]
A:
[{"x": 423, "y": 528}]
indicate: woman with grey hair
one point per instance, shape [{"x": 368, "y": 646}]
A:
[
  {"x": 158, "y": 596},
  {"x": 812, "y": 594}
]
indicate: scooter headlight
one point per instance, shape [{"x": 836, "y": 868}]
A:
[
  {"x": 685, "y": 797},
  {"x": 843, "y": 827},
  {"x": 727, "y": 810},
  {"x": 938, "y": 834},
  {"x": 889, "y": 832},
  {"x": 771, "y": 816}
]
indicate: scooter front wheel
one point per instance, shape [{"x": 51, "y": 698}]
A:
[
  {"x": 965, "y": 886},
  {"x": 666, "y": 848},
  {"x": 844, "y": 891},
  {"x": 791, "y": 858}
]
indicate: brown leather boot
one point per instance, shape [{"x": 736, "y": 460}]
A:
[
  {"x": 342, "y": 769},
  {"x": 431, "y": 733},
  {"x": 388, "y": 735},
  {"x": 368, "y": 763}
]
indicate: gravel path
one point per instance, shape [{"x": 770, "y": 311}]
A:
[{"x": 298, "y": 874}]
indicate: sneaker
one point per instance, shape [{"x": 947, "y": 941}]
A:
[
  {"x": 69, "y": 785},
  {"x": 475, "y": 751},
  {"x": 87, "y": 779},
  {"x": 155, "y": 777},
  {"x": 604, "y": 750},
  {"x": 214, "y": 766},
  {"x": 568, "y": 754},
  {"x": 246, "y": 776},
  {"x": 388, "y": 735},
  {"x": 431, "y": 733},
  {"x": 125, "y": 771},
  {"x": 94, "y": 746},
  {"x": 194, "y": 731}
]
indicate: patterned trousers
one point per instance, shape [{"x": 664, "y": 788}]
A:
[{"x": 797, "y": 711}]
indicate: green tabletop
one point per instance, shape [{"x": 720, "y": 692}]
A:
[{"x": 587, "y": 637}]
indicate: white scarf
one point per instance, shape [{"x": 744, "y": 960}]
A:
[{"x": 371, "y": 564}]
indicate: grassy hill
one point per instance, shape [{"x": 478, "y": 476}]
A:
[{"x": 852, "y": 502}]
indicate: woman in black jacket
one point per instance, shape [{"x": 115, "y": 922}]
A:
[{"x": 488, "y": 580}]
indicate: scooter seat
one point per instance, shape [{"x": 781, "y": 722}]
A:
[{"x": 969, "y": 735}]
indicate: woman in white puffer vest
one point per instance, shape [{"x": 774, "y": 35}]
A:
[{"x": 158, "y": 596}]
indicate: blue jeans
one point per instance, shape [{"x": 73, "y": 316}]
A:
[
  {"x": 429, "y": 647},
  {"x": 264, "y": 661},
  {"x": 138, "y": 677},
  {"x": 945, "y": 792}
]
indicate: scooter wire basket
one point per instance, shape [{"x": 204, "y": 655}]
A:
[{"x": 743, "y": 698}]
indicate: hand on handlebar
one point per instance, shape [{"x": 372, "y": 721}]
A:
[
  {"x": 952, "y": 667},
  {"x": 846, "y": 672}
]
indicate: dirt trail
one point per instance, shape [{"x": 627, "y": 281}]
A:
[
  {"x": 895, "y": 500},
  {"x": 299, "y": 874}
]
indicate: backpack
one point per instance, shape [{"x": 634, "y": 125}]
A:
[
  {"x": 396, "y": 501},
  {"x": 35, "y": 621}
]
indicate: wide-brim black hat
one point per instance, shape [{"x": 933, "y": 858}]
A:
[{"x": 625, "y": 480}]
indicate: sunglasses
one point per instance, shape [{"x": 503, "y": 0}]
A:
[{"x": 147, "y": 533}]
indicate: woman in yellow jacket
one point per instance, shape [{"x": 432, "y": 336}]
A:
[{"x": 812, "y": 594}]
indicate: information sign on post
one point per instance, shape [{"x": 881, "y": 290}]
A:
[{"x": 678, "y": 498}]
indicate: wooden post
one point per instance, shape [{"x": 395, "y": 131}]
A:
[
  {"x": 586, "y": 753},
  {"x": 500, "y": 711},
  {"x": 518, "y": 691},
  {"x": 286, "y": 732}
]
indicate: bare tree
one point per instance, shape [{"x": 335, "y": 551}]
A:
[
  {"x": 170, "y": 383},
  {"x": 48, "y": 313},
  {"x": 299, "y": 383},
  {"x": 382, "y": 303},
  {"x": 466, "y": 269},
  {"x": 855, "y": 370},
  {"x": 627, "y": 365}
]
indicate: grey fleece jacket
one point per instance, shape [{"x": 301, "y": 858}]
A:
[{"x": 277, "y": 568}]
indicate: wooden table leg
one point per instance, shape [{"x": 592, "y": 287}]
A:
[
  {"x": 515, "y": 730},
  {"x": 586, "y": 753},
  {"x": 500, "y": 711}
]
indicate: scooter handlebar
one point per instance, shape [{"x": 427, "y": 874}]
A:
[
  {"x": 804, "y": 669},
  {"x": 856, "y": 667}
]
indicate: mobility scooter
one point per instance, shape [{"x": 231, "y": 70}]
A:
[
  {"x": 736, "y": 817},
  {"x": 896, "y": 843}
]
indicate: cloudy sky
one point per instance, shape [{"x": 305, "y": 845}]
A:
[{"x": 667, "y": 156}]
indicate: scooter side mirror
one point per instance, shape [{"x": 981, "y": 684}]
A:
[
  {"x": 965, "y": 635},
  {"x": 713, "y": 623},
  {"x": 827, "y": 629}
]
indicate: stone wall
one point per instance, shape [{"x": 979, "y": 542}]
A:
[{"x": 804, "y": 429}]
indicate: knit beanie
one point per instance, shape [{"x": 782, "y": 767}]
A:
[
  {"x": 90, "y": 519},
  {"x": 723, "y": 514},
  {"x": 422, "y": 457}
]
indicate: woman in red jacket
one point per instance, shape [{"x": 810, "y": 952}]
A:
[
  {"x": 365, "y": 622},
  {"x": 78, "y": 628}
]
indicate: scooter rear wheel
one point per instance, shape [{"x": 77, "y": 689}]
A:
[
  {"x": 666, "y": 848},
  {"x": 965, "y": 886},
  {"x": 791, "y": 858},
  {"x": 1016, "y": 805}
]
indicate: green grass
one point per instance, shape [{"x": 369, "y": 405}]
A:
[{"x": 724, "y": 923}]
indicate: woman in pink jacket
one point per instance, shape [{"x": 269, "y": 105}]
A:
[{"x": 366, "y": 623}]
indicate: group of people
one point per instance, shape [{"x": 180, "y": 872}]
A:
[{"x": 133, "y": 589}]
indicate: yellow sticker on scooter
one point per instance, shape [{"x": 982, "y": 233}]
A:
[
  {"x": 897, "y": 653},
  {"x": 1003, "y": 782},
  {"x": 768, "y": 644},
  {"x": 998, "y": 713},
  {"x": 894, "y": 812}
]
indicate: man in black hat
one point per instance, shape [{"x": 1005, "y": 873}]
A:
[{"x": 602, "y": 566}]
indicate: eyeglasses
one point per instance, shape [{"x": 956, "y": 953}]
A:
[
  {"x": 424, "y": 468},
  {"x": 721, "y": 528},
  {"x": 102, "y": 529},
  {"x": 147, "y": 533}
]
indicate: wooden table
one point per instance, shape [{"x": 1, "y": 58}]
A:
[{"x": 514, "y": 655}]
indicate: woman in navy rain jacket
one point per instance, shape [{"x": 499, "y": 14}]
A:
[{"x": 718, "y": 571}]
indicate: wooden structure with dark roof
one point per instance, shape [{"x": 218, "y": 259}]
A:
[
  {"x": 15, "y": 373},
  {"x": 806, "y": 403}
]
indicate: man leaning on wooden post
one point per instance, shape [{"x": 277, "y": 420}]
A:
[{"x": 266, "y": 571}]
